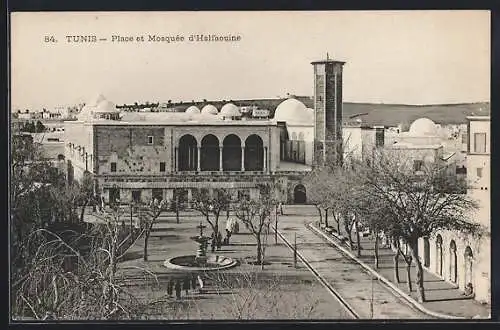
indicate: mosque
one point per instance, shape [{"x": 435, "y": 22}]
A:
[{"x": 137, "y": 156}]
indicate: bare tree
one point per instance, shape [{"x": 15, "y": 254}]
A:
[
  {"x": 148, "y": 217},
  {"x": 256, "y": 216},
  {"x": 422, "y": 203}
]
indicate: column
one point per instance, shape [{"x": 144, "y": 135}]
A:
[
  {"x": 199, "y": 159},
  {"x": 175, "y": 159},
  {"x": 190, "y": 196},
  {"x": 242, "y": 159},
  {"x": 220, "y": 159},
  {"x": 265, "y": 160}
]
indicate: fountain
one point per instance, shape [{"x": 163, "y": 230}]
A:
[{"x": 200, "y": 261}]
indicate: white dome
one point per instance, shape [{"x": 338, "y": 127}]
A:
[
  {"x": 106, "y": 107},
  {"x": 209, "y": 110},
  {"x": 295, "y": 112},
  {"x": 193, "y": 110},
  {"x": 230, "y": 110},
  {"x": 423, "y": 127},
  {"x": 95, "y": 100}
]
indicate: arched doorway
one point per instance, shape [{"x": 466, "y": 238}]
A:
[
  {"x": 254, "y": 153},
  {"x": 210, "y": 153},
  {"x": 299, "y": 194},
  {"x": 468, "y": 265},
  {"x": 439, "y": 255},
  {"x": 453, "y": 262},
  {"x": 427, "y": 252},
  {"x": 188, "y": 153},
  {"x": 231, "y": 153}
]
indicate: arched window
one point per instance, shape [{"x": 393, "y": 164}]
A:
[
  {"x": 210, "y": 153},
  {"x": 453, "y": 262},
  {"x": 468, "y": 265},
  {"x": 231, "y": 153},
  {"x": 294, "y": 136},
  {"x": 427, "y": 252},
  {"x": 439, "y": 255},
  {"x": 301, "y": 136},
  {"x": 254, "y": 153},
  {"x": 188, "y": 153}
]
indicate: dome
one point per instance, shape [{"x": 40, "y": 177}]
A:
[
  {"x": 423, "y": 127},
  {"x": 230, "y": 110},
  {"x": 193, "y": 110},
  {"x": 95, "y": 100},
  {"x": 295, "y": 112},
  {"x": 209, "y": 110},
  {"x": 106, "y": 107}
]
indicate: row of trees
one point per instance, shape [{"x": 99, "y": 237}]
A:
[
  {"x": 387, "y": 197},
  {"x": 32, "y": 127}
]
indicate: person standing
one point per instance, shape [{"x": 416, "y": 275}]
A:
[
  {"x": 186, "y": 285},
  {"x": 178, "y": 289}
]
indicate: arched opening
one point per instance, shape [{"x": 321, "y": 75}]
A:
[
  {"x": 294, "y": 136},
  {"x": 468, "y": 265},
  {"x": 439, "y": 255},
  {"x": 427, "y": 252},
  {"x": 60, "y": 157},
  {"x": 301, "y": 136},
  {"x": 231, "y": 153},
  {"x": 453, "y": 262},
  {"x": 209, "y": 153},
  {"x": 254, "y": 153},
  {"x": 299, "y": 194},
  {"x": 188, "y": 153}
]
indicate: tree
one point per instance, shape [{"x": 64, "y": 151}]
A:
[
  {"x": 212, "y": 204},
  {"x": 148, "y": 217},
  {"x": 317, "y": 183},
  {"x": 256, "y": 216},
  {"x": 418, "y": 205},
  {"x": 40, "y": 127},
  {"x": 86, "y": 192}
]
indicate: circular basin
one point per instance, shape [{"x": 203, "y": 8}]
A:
[{"x": 188, "y": 262}]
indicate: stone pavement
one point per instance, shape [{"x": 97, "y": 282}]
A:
[
  {"x": 369, "y": 298},
  {"x": 442, "y": 297}
]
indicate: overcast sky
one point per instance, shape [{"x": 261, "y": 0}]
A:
[{"x": 411, "y": 57}]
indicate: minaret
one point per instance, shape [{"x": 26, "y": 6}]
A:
[{"x": 327, "y": 112}]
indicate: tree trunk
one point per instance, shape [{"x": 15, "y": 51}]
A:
[
  {"x": 326, "y": 217},
  {"x": 83, "y": 209},
  {"x": 338, "y": 225},
  {"x": 419, "y": 280},
  {"x": 320, "y": 215},
  {"x": 259, "y": 251},
  {"x": 408, "y": 275},
  {"x": 146, "y": 239},
  {"x": 349, "y": 236},
  {"x": 396, "y": 267},
  {"x": 358, "y": 240},
  {"x": 376, "y": 250}
]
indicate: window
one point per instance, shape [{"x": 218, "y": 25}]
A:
[
  {"x": 162, "y": 166},
  {"x": 480, "y": 142},
  {"x": 150, "y": 140},
  {"x": 113, "y": 167},
  {"x": 417, "y": 165},
  {"x": 479, "y": 172},
  {"x": 136, "y": 196}
]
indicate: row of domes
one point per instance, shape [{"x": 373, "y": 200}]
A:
[{"x": 228, "y": 110}]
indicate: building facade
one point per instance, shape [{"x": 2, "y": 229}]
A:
[{"x": 458, "y": 258}]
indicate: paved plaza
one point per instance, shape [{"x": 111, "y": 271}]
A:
[{"x": 289, "y": 293}]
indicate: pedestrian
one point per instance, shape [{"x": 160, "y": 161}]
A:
[
  {"x": 219, "y": 240},
  {"x": 193, "y": 282},
  {"x": 178, "y": 289},
  {"x": 281, "y": 208},
  {"x": 186, "y": 284},
  {"x": 228, "y": 235},
  {"x": 170, "y": 287}
]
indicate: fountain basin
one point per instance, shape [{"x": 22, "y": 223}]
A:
[{"x": 188, "y": 262}]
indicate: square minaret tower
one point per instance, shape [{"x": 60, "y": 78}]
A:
[{"x": 327, "y": 113}]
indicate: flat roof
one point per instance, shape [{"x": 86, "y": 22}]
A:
[{"x": 328, "y": 61}]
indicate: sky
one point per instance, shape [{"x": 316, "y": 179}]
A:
[{"x": 406, "y": 57}]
